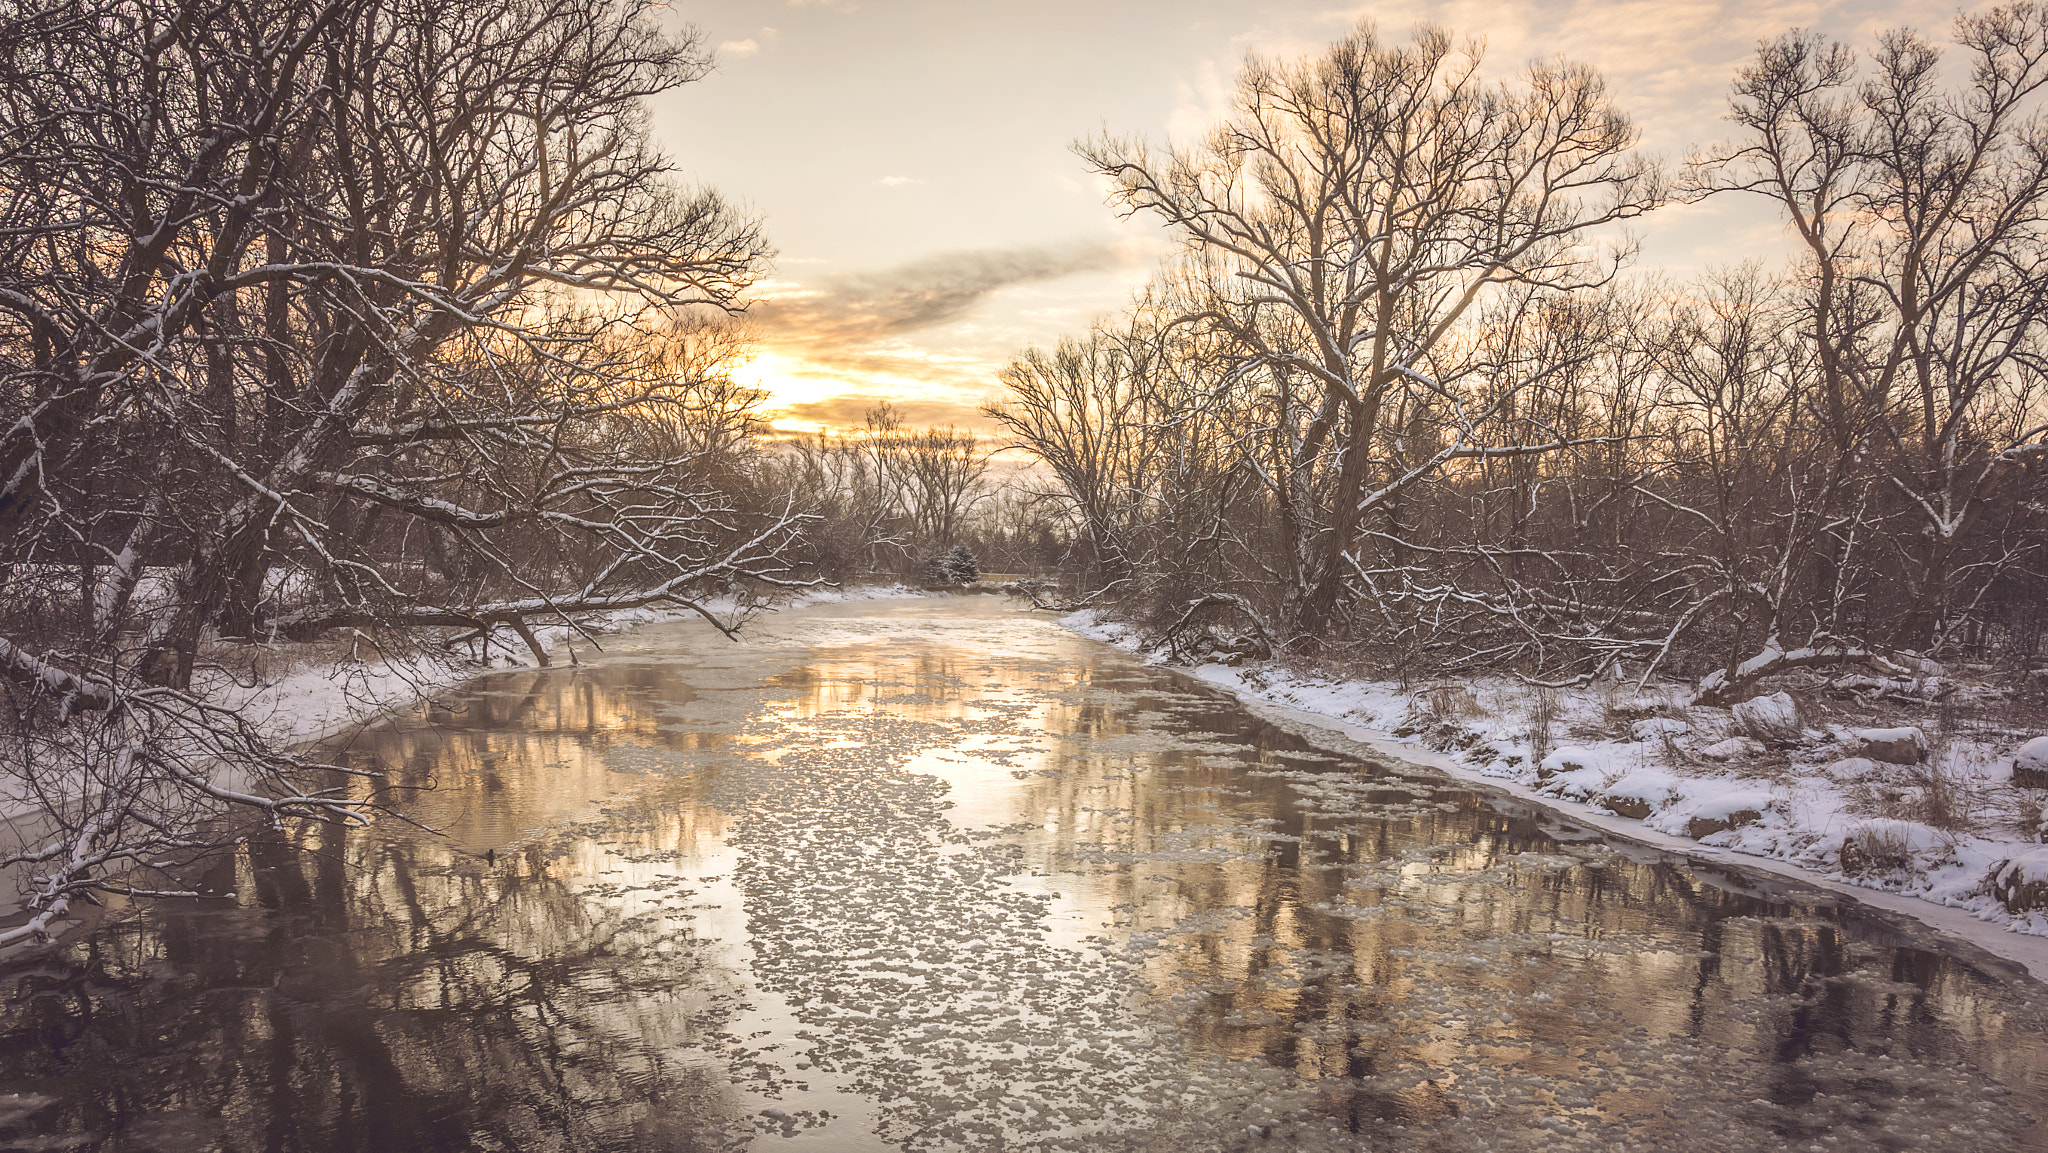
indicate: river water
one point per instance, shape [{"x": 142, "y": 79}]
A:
[{"x": 939, "y": 874}]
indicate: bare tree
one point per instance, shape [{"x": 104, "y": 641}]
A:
[
  {"x": 1387, "y": 398},
  {"x": 1768, "y": 534},
  {"x": 890, "y": 494},
  {"x": 1081, "y": 410},
  {"x": 1920, "y": 204},
  {"x": 1364, "y": 202},
  {"x": 945, "y": 472},
  {"x": 338, "y": 314}
]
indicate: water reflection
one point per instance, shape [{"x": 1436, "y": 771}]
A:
[{"x": 939, "y": 877}]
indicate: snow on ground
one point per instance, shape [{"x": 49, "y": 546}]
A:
[{"x": 1910, "y": 817}]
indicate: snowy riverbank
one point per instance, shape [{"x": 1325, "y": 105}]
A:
[
  {"x": 299, "y": 693},
  {"x": 326, "y": 699},
  {"x": 1873, "y": 797}
]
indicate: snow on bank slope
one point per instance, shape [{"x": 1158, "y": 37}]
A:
[{"x": 1941, "y": 831}]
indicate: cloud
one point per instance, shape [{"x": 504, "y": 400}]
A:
[
  {"x": 739, "y": 47},
  {"x": 849, "y": 311},
  {"x": 916, "y": 334},
  {"x": 1201, "y": 101},
  {"x": 897, "y": 181}
]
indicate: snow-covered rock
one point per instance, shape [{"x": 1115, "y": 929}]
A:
[
  {"x": 1769, "y": 716},
  {"x": 1575, "y": 773},
  {"x": 2030, "y": 765},
  {"x": 1901, "y": 746},
  {"x": 1851, "y": 768},
  {"x": 2022, "y": 884},
  {"x": 1567, "y": 760},
  {"x": 1733, "y": 749},
  {"x": 1719, "y": 812},
  {"x": 1639, "y": 793},
  {"x": 1640, "y": 706},
  {"x": 1577, "y": 785},
  {"x": 1653, "y": 728}
]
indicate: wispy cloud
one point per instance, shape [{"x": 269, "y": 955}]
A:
[
  {"x": 746, "y": 47},
  {"x": 839, "y": 345},
  {"x": 898, "y": 181},
  {"x": 849, "y": 310},
  {"x": 1200, "y": 101}
]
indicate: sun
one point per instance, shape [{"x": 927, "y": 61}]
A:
[{"x": 784, "y": 381}]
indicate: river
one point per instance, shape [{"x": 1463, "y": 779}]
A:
[{"x": 939, "y": 874}]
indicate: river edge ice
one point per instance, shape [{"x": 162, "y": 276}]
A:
[
  {"x": 325, "y": 693},
  {"x": 1798, "y": 837}
]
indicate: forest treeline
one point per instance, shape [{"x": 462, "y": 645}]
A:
[
  {"x": 1395, "y": 403},
  {"x": 383, "y": 325}
]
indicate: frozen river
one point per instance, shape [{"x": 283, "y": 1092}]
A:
[{"x": 938, "y": 875}]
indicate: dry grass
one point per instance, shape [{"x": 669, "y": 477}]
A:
[
  {"x": 2030, "y": 813},
  {"x": 1870, "y": 797},
  {"x": 259, "y": 662},
  {"x": 1938, "y": 794},
  {"x": 250, "y": 664},
  {"x": 1622, "y": 706},
  {"x": 1948, "y": 799},
  {"x": 1543, "y": 710},
  {"x": 1876, "y": 852},
  {"x": 1449, "y": 701}
]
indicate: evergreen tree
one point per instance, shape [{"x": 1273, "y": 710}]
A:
[{"x": 960, "y": 565}]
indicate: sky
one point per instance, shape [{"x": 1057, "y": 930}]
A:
[{"x": 912, "y": 159}]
